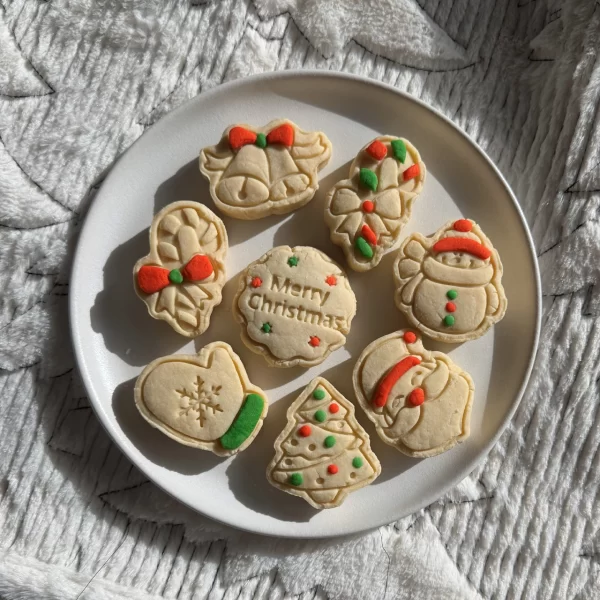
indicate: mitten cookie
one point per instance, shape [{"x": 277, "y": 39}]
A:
[
  {"x": 295, "y": 306},
  {"x": 419, "y": 401},
  {"x": 205, "y": 401},
  {"x": 255, "y": 172},
  {"x": 181, "y": 279},
  {"x": 449, "y": 285},
  {"x": 323, "y": 454},
  {"x": 366, "y": 212}
]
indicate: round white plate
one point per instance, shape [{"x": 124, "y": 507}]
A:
[{"x": 114, "y": 337}]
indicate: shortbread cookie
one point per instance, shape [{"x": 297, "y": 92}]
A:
[
  {"x": 295, "y": 306},
  {"x": 259, "y": 171},
  {"x": 205, "y": 401},
  {"x": 323, "y": 454},
  {"x": 181, "y": 279},
  {"x": 419, "y": 401},
  {"x": 449, "y": 285},
  {"x": 366, "y": 212}
]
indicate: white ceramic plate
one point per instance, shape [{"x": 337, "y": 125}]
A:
[{"x": 114, "y": 337}]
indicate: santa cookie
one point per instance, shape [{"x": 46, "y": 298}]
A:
[
  {"x": 181, "y": 279},
  {"x": 205, "y": 401},
  {"x": 366, "y": 212},
  {"x": 295, "y": 306},
  {"x": 255, "y": 172},
  {"x": 323, "y": 454},
  {"x": 419, "y": 401},
  {"x": 449, "y": 285}
]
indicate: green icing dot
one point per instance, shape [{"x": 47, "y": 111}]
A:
[
  {"x": 320, "y": 416},
  {"x": 261, "y": 140},
  {"x": 329, "y": 441},
  {"x": 266, "y": 327},
  {"x": 449, "y": 320},
  {"x": 357, "y": 462},
  {"x": 293, "y": 261},
  {"x": 319, "y": 394},
  {"x": 399, "y": 150},
  {"x": 368, "y": 179},
  {"x": 451, "y": 294},
  {"x": 363, "y": 247},
  {"x": 175, "y": 276},
  {"x": 296, "y": 479}
]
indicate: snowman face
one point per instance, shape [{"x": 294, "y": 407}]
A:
[{"x": 461, "y": 260}]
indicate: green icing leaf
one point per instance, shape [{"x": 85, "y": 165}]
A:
[
  {"x": 244, "y": 423},
  {"x": 368, "y": 179},
  {"x": 399, "y": 150},
  {"x": 363, "y": 247}
]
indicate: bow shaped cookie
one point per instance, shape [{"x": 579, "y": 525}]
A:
[
  {"x": 153, "y": 279},
  {"x": 240, "y": 136}
]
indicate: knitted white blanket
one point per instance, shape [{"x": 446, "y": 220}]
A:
[{"x": 80, "y": 80}]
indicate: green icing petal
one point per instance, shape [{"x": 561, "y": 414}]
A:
[
  {"x": 368, "y": 179},
  {"x": 363, "y": 247},
  {"x": 399, "y": 150}
]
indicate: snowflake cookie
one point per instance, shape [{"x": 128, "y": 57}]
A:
[
  {"x": 256, "y": 172},
  {"x": 419, "y": 401},
  {"x": 323, "y": 454},
  {"x": 449, "y": 285},
  {"x": 181, "y": 279},
  {"x": 295, "y": 306},
  {"x": 366, "y": 212},
  {"x": 205, "y": 401}
]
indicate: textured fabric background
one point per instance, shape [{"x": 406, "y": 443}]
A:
[{"x": 80, "y": 80}]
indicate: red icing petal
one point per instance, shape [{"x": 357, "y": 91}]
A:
[
  {"x": 314, "y": 341},
  {"x": 388, "y": 382},
  {"x": 459, "y": 244},
  {"x": 198, "y": 268},
  {"x": 304, "y": 431},
  {"x": 284, "y": 134},
  {"x": 463, "y": 225},
  {"x": 256, "y": 282},
  {"x": 369, "y": 235},
  {"x": 334, "y": 407},
  {"x": 377, "y": 150},
  {"x": 152, "y": 279},
  {"x": 410, "y": 337},
  {"x": 450, "y": 306},
  {"x": 331, "y": 280},
  {"x": 240, "y": 136},
  {"x": 368, "y": 206},
  {"x": 417, "y": 397},
  {"x": 412, "y": 172},
  {"x": 332, "y": 469}
]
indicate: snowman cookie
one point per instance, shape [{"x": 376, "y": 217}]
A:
[
  {"x": 259, "y": 171},
  {"x": 205, "y": 401},
  {"x": 295, "y": 306},
  {"x": 366, "y": 212},
  {"x": 181, "y": 279},
  {"x": 449, "y": 285},
  {"x": 323, "y": 454},
  {"x": 419, "y": 401}
]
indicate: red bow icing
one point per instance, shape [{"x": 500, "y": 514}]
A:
[
  {"x": 240, "y": 136},
  {"x": 460, "y": 244},
  {"x": 152, "y": 279}
]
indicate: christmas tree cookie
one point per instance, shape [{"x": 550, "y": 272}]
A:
[
  {"x": 449, "y": 285},
  {"x": 323, "y": 454},
  {"x": 366, "y": 212},
  {"x": 181, "y": 279},
  {"x": 259, "y": 171},
  {"x": 295, "y": 306},
  {"x": 205, "y": 401},
  {"x": 419, "y": 401}
]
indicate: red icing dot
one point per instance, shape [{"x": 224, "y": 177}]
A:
[
  {"x": 463, "y": 225},
  {"x": 450, "y": 306},
  {"x": 334, "y": 407},
  {"x": 331, "y": 280},
  {"x": 412, "y": 172},
  {"x": 332, "y": 469},
  {"x": 314, "y": 341},
  {"x": 410, "y": 337},
  {"x": 369, "y": 235},
  {"x": 368, "y": 206},
  {"x": 304, "y": 431},
  {"x": 256, "y": 282},
  {"x": 417, "y": 397},
  {"x": 377, "y": 150}
]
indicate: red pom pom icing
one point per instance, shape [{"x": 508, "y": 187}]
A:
[
  {"x": 240, "y": 136},
  {"x": 377, "y": 150},
  {"x": 304, "y": 431},
  {"x": 284, "y": 134},
  {"x": 410, "y": 337},
  {"x": 417, "y": 397},
  {"x": 463, "y": 225}
]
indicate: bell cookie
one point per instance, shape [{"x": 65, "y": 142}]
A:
[
  {"x": 449, "y": 285},
  {"x": 295, "y": 306},
  {"x": 205, "y": 401},
  {"x": 366, "y": 212},
  {"x": 181, "y": 279},
  {"x": 323, "y": 454},
  {"x": 419, "y": 401},
  {"x": 271, "y": 170}
]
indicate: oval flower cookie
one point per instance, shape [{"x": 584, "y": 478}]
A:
[
  {"x": 323, "y": 454},
  {"x": 366, "y": 212},
  {"x": 205, "y": 401},
  {"x": 419, "y": 401},
  {"x": 259, "y": 171},
  {"x": 181, "y": 279},
  {"x": 295, "y": 306},
  {"x": 449, "y": 285}
]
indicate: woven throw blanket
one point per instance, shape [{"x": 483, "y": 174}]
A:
[{"x": 80, "y": 80}]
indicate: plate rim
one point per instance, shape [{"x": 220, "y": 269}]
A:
[{"x": 78, "y": 264}]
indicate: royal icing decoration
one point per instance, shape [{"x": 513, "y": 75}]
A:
[
  {"x": 419, "y": 401},
  {"x": 449, "y": 285},
  {"x": 256, "y": 172},
  {"x": 205, "y": 401},
  {"x": 333, "y": 459},
  {"x": 306, "y": 300},
  {"x": 181, "y": 279},
  {"x": 366, "y": 212}
]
